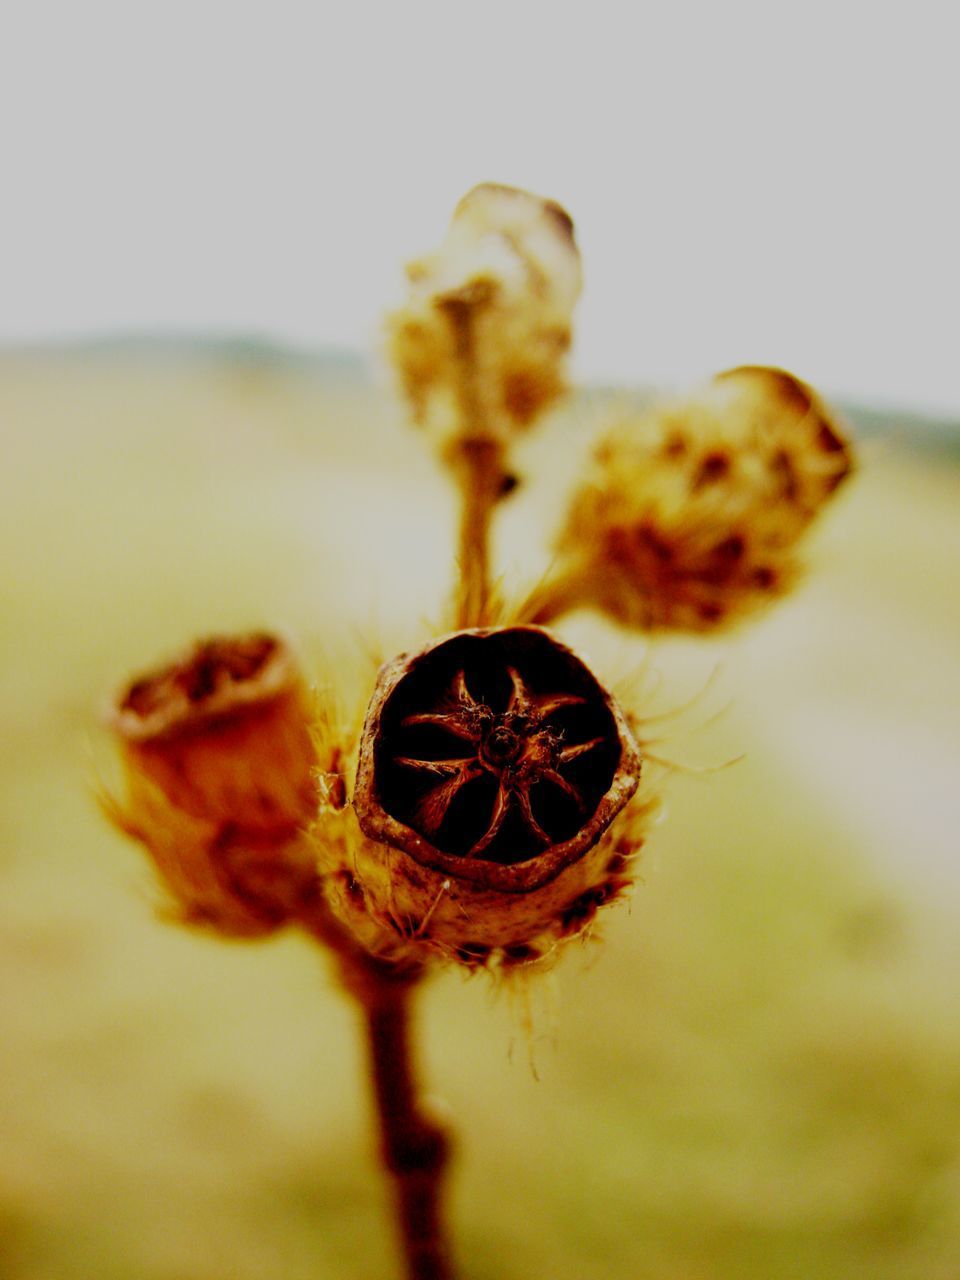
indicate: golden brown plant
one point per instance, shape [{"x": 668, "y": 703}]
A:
[{"x": 495, "y": 797}]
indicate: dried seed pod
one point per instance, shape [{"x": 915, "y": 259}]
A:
[
  {"x": 539, "y": 231},
  {"x": 491, "y": 765},
  {"x": 219, "y": 781},
  {"x": 692, "y": 512},
  {"x": 481, "y": 342}
]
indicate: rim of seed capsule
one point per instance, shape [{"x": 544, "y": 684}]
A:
[
  {"x": 519, "y": 877},
  {"x": 172, "y": 709}
]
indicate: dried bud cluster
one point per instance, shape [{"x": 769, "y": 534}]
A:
[
  {"x": 495, "y": 805},
  {"x": 492, "y": 764},
  {"x": 497, "y": 801},
  {"x": 219, "y": 782},
  {"x": 484, "y": 334},
  {"x": 692, "y": 512}
]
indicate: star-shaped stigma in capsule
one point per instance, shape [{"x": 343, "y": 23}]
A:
[{"x": 519, "y": 747}]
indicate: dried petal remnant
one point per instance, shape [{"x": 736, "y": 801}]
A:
[
  {"x": 491, "y": 765},
  {"x": 219, "y": 764}
]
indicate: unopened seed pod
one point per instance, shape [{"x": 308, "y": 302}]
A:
[
  {"x": 485, "y": 330},
  {"x": 219, "y": 783},
  {"x": 691, "y": 513},
  {"x": 492, "y": 765}
]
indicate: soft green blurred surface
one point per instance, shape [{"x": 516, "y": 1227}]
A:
[{"x": 755, "y": 1074}]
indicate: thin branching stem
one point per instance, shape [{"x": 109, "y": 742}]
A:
[
  {"x": 414, "y": 1147},
  {"x": 481, "y": 479},
  {"x": 477, "y": 459}
]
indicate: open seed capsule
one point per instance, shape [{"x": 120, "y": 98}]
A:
[{"x": 492, "y": 764}]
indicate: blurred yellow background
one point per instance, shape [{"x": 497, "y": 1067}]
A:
[{"x": 756, "y": 1071}]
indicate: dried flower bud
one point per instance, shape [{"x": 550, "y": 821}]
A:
[
  {"x": 538, "y": 231},
  {"x": 492, "y": 764},
  {"x": 692, "y": 512},
  {"x": 481, "y": 343},
  {"x": 218, "y": 762}
]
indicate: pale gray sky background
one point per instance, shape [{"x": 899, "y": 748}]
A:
[{"x": 751, "y": 183}]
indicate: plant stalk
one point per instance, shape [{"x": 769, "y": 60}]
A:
[
  {"x": 414, "y": 1147},
  {"x": 477, "y": 459},
  {"x": 481, "y": 479}
]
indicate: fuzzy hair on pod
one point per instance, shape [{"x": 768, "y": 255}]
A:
[
  {"x": 218, "y": 782},
  {"x": 494, "y": 809},
  {"x": 691, "y": 513},
  {"x": 496, "y": 299}
]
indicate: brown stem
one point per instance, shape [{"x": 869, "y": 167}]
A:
[
  {"x": 476, "y": 458},
  {"x": 413, "y": 1146},
  {"x": 482, "y": 479}
]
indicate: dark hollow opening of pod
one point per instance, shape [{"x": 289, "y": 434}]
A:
[{"x": 457, "y": 705}]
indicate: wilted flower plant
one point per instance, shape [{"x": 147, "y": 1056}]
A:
[{"x": 489, "y": 802}]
